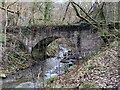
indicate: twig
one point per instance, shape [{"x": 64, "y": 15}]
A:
[
  {"x": 3, "y": 8},
  {"x": 89, "y": 11},
  {"x": 100, "y": 9},
  {"x": 66, "y": 11},
  {"x": 92, "y": 7},
  {"x": 12, "y": 4},
  {"x": 6, "y": 23}
]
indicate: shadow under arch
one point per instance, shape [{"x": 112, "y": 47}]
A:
[{"x": 39, "y": 50}]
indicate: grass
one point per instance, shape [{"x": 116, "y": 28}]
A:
[{"x": 50, "y": 80}]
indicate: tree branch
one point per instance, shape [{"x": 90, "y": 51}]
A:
[
  {"x": 83, "y": 17},
  {"x": 85, "y": 13},
  {"x": 89, "y": 11},
  {"x": 100, "y": 8},
  {"x": 11, "y": 4},
  {"x": 9, "y": 10},
  {"x": 66, "y": 11}
]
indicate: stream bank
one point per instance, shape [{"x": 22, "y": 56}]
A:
[
  {"x": 37, "y": 75},
  {"x": 100, "y": 71}
]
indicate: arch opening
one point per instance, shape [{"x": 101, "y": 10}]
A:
[
  {"x": 50, "y": 47},
  {"x": 39, "y": 50}
]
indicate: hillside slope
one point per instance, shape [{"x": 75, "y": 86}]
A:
[{"x": 100, "y": 71}]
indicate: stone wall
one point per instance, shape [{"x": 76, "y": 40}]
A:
[{"x": 90, "y": 42}]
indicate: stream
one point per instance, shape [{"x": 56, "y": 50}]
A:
[{"x": 36, "y": 76}]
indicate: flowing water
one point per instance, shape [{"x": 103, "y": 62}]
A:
[{"x": 37, "y": 75}]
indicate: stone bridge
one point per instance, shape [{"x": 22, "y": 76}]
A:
[{"x": 83, "y": 37}]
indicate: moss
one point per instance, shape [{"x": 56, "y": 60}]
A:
[
  {"x": 2, "y": 38},
  {"x": 3, "y": 75},
  {"x": 88, "y": 84},
  {"x": 50, "y": 80},
  {"x": 73, "y": 66},
  {"x": 89, "y": 65},
  {"x": 114, "y": 44}
]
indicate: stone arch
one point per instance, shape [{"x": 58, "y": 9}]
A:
[{"x": 39, "y": 50}]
